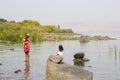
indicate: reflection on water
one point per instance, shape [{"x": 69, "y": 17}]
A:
[
  {"x": 27, "y": 70},
  {"x": 104, "y": 59}
]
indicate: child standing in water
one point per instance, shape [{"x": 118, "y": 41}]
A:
[
  {"x": 60, "y": 50},
  {"x": 26, "y": 47}
]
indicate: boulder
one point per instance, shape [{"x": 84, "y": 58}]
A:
[
  {"x": 79, "y": 59},
  {"x": 79, "y": 55},
  {"x": 64, "y": 71}
]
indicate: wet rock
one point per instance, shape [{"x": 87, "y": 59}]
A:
[
  {"x": 12, "y": 49},
  {"x": 0, "y": 64},
  {"x": 89, "y": 66},
  {"x": 80, "y": 62},
  {"x": 17, "y": 71},
  {"x": 79, "y": 55},
  {"x": 79, "y": 59},
  {"x": 66, "y": 71}
]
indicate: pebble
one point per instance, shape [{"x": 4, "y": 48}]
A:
[{"x": 17, "y": 71}]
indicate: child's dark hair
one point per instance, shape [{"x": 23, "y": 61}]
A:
[{"x": 61, "y": 47}]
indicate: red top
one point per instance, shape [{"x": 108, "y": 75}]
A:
[{"x": 26, "y": 46}]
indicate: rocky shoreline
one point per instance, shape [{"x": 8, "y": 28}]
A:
[
  {"x": 88, "y": 38},
  {"x": 68, "y": 36}
]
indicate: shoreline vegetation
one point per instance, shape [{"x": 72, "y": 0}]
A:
[{"x": 13, "y": 32}]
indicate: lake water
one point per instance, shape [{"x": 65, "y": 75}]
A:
[{"x": 104, "y": 59}]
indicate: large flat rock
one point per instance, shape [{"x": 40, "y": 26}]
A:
[{"x": 64, "y": 71}]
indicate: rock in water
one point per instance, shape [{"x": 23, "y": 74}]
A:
[
  {"x": 79, "y": 55},
  {"x": 12, "y": 49},
  {"x": 55, "y": 71},
  {"x": 17, "y": 71},
  {"x": 0, "y": 64},
  {"x": 79, "y": 59}
]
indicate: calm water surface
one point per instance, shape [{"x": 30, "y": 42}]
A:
[{"x": 104, "y": 59}]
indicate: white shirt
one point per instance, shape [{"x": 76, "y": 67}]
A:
[{"x": 59, "y": 53}]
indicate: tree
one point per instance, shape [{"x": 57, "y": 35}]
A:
[{"x": 3, "y": 20}]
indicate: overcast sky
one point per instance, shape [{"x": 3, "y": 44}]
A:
[{"x": 80, "y": 15}]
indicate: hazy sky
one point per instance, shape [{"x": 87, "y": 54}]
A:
[{"x": 80, "y": 15}]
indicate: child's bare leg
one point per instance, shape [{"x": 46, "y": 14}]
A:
[
  {"x": 25, "y": 57},
  {"x": 28, "y": 57}
]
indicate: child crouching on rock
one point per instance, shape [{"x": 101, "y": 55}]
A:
[{"x": 60, "y": 50}]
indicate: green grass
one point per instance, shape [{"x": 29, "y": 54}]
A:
[{"x": 14, "y": 31}]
